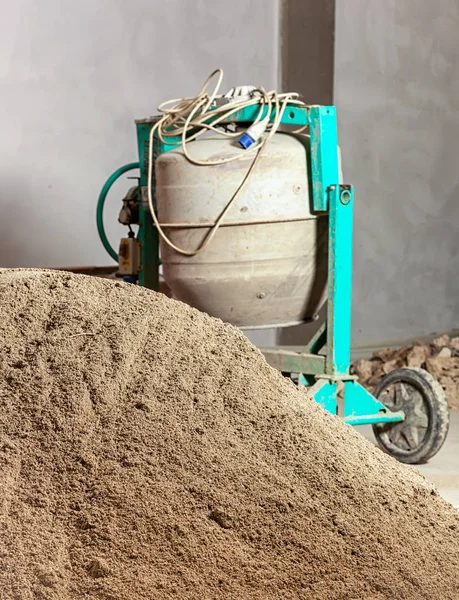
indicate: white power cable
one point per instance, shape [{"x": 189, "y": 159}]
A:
[{"x": 187, "y": 118}]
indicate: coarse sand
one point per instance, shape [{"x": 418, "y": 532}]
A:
[{"x": 147, "y": 451}]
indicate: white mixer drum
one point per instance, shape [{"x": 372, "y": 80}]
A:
[{"x": 267, "y": 264}]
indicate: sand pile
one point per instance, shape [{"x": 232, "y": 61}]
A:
[
  {"x": 147, "y": 451},
  {"x": 440, "y": 359}
]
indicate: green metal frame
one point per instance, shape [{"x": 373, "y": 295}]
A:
[
  {"x": 323, "y": 372},
  {"x": 101, "y": 203}
]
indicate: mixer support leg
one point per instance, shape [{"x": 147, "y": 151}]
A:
[
  {"x": 360, "y": 407},
  {"x": 325, "y": 392},
  {"x": 338, "y": 326},
  {"x": 341, "y": 199},
  {"x": 148, "y": 234}
]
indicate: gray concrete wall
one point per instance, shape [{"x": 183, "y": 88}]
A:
[
  {"x": 308, "y": 49},
  {"x": 397, "y": 93},
  {"x": 74, "y": 75}
]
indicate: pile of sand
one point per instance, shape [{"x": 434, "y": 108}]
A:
[
  {"x": 148, "y": 451},
  {"x": 440, "y": 358}
]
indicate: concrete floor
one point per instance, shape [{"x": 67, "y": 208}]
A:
[{"x": 442, "y": 469}]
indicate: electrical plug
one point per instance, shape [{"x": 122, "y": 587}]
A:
[{"x": 253, "y": 134}]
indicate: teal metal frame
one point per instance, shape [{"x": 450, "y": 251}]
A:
[{"x": 323, "y": 373}]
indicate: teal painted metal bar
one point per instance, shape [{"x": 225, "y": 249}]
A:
[
  {"x": 148, "y": 234},
  {"x": 361, "y": 408},
  {"x": 324, "y": 153},
  {"x": 293, "y": 362},
  {"x": 317, "y": 342},
  {"x": 293, "y": 115},
  {"x": 389, "y": 417},
  {"x": 325, "y": 393},
  {"x": 339, "y": 279}
]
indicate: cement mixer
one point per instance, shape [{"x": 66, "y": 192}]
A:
[
  {"x": 241, "y": 208},
  {"x": 268, "y": 265}
]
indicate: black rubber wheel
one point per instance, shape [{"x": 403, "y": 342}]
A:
[{"x": 425, "y": 427}]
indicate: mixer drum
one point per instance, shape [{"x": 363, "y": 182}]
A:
[{"x": 267, "y": 264}]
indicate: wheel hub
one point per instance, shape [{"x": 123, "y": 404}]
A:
[{"x": 409, "y": 433}]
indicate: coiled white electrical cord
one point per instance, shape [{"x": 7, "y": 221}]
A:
[{"x": 187, "y": 118}]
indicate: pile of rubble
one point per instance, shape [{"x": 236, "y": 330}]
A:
[{"x": 440, "y": 358}]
